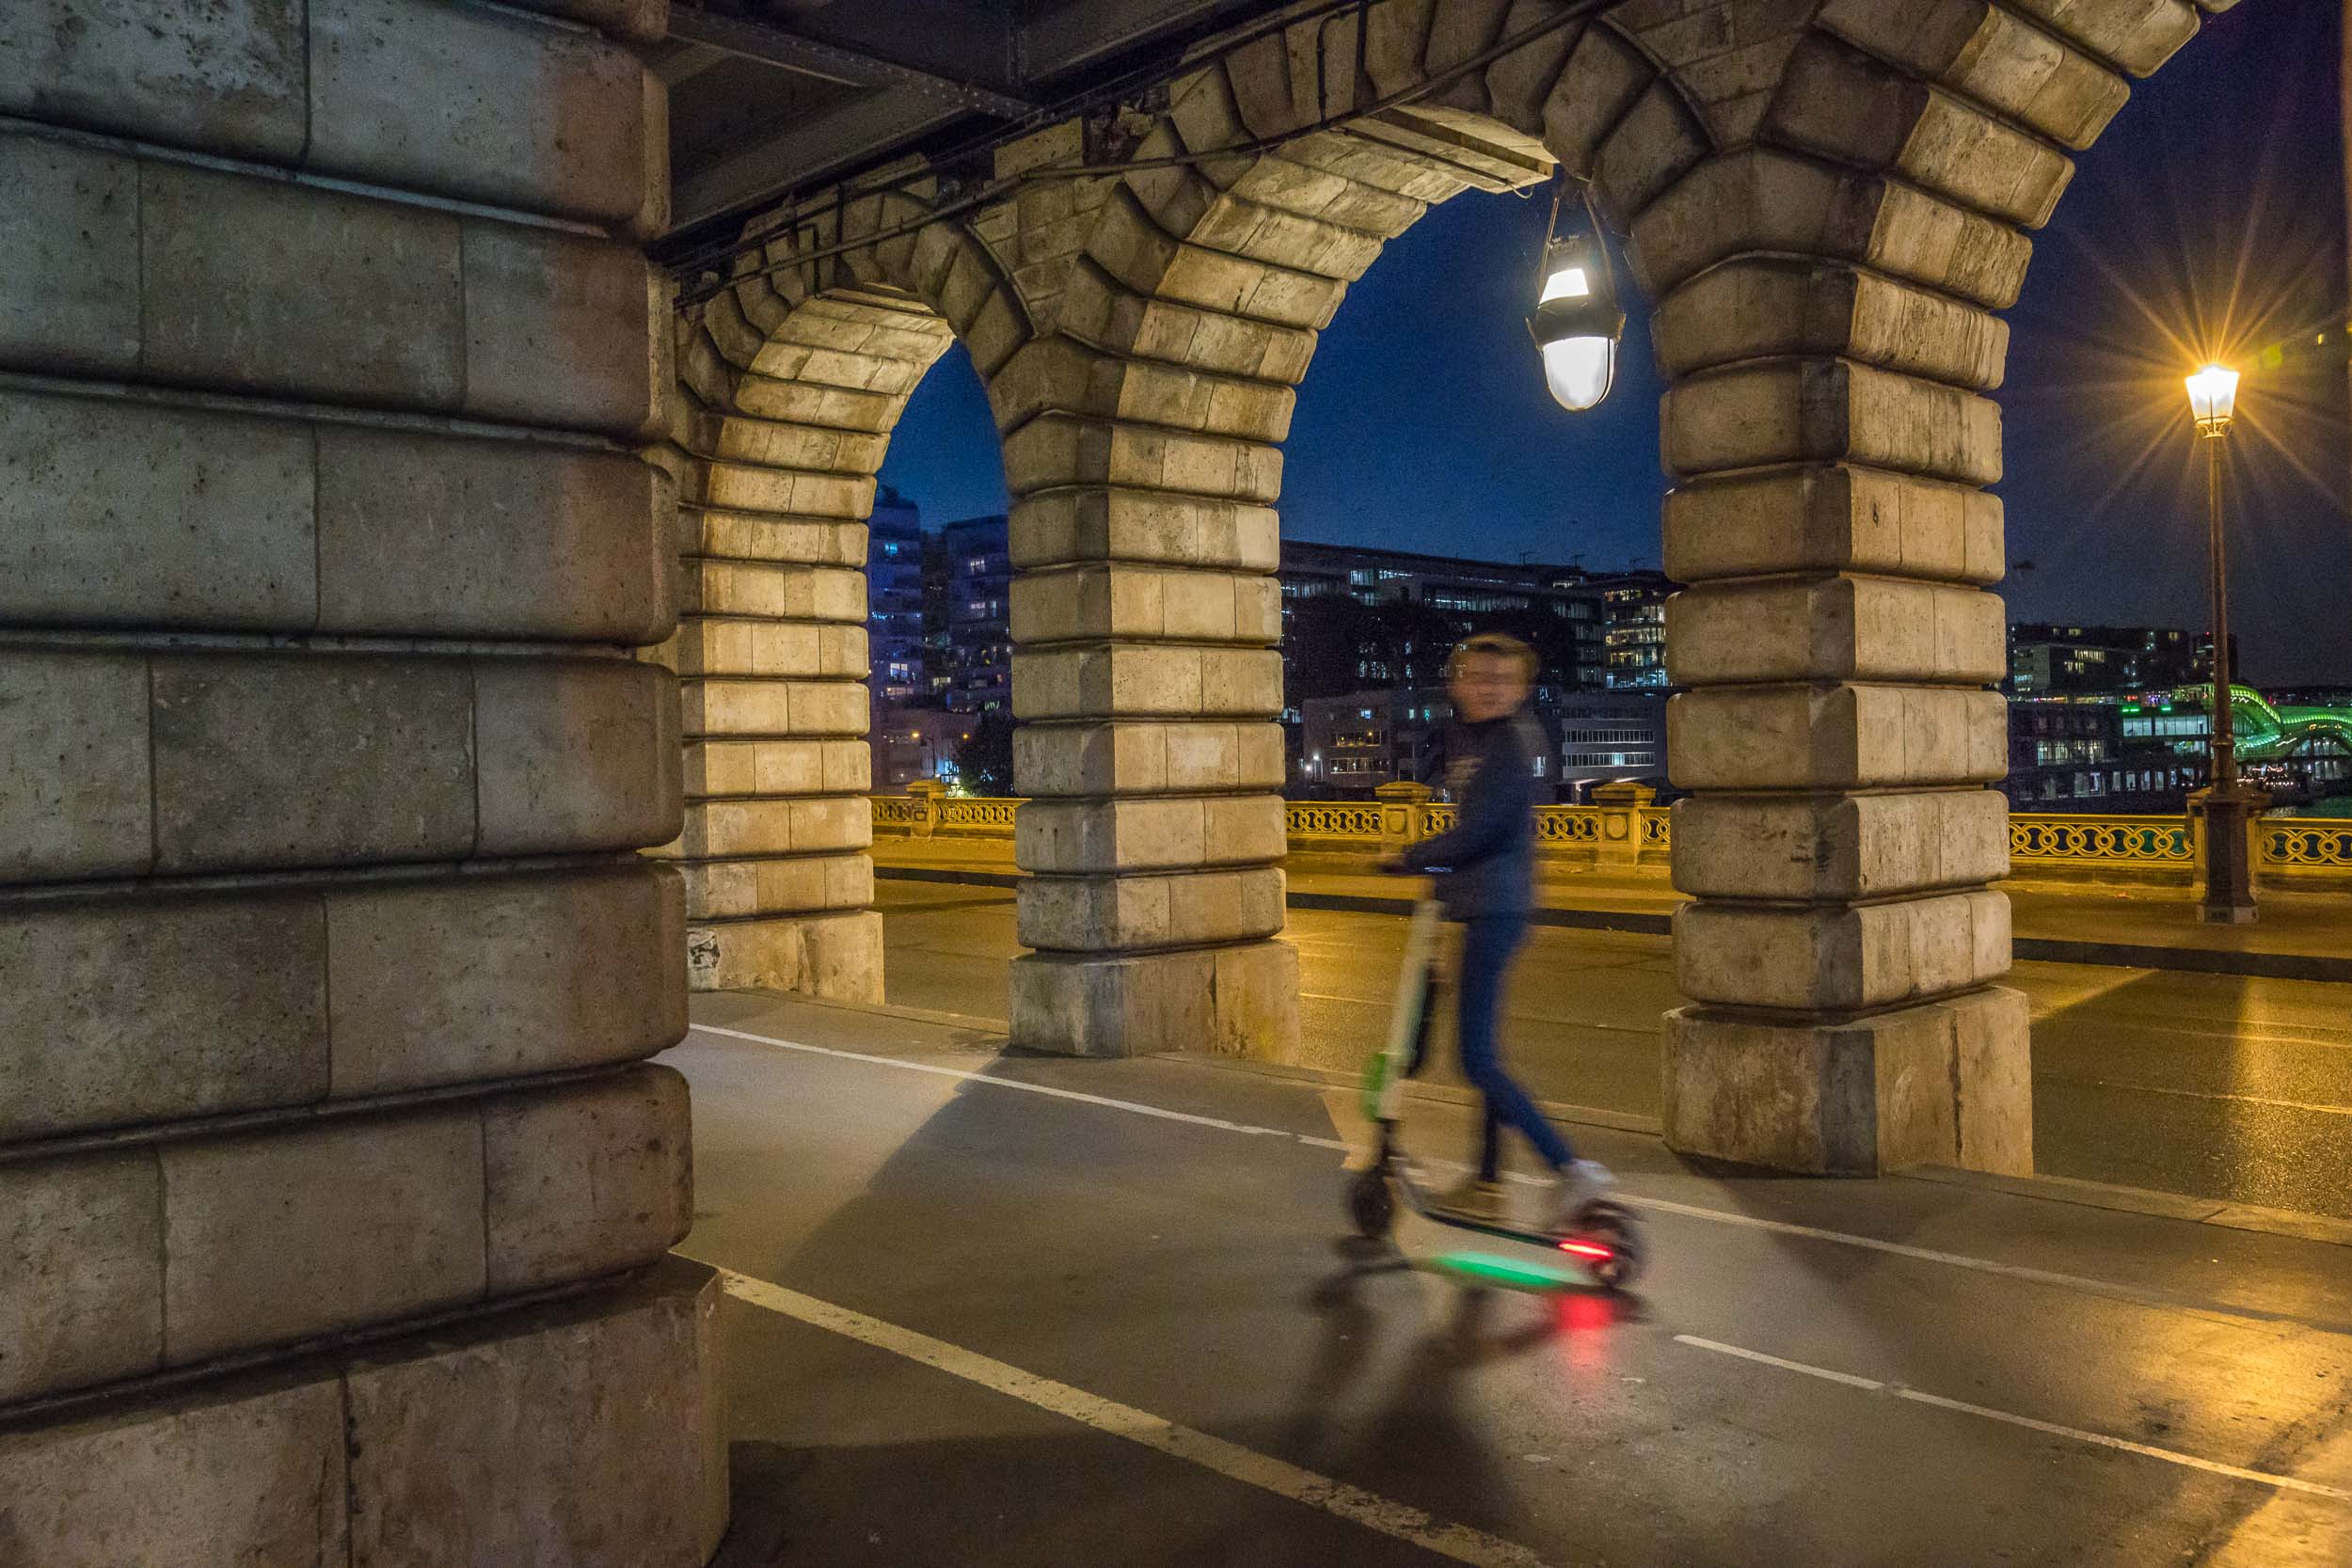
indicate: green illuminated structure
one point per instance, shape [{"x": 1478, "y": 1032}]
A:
[{"x": 2266, "y": 733}]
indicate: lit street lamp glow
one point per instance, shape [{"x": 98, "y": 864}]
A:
[{"x": 1577, "y": 321}]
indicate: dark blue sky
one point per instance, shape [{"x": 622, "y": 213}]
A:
[{"x": 2209, "y": 219}]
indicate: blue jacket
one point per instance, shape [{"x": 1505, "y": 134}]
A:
[{"x": 1486, "y": 862}]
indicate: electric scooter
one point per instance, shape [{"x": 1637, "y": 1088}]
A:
[{"x": 1604, "y": 1242}]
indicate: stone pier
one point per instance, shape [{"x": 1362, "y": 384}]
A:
[{"x": 334, "y": 1192}]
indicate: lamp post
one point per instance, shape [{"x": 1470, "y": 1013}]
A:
[{"x": 2227, "y": 804}]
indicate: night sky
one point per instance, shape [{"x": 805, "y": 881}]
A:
[{"x": 2208, "y": 220}]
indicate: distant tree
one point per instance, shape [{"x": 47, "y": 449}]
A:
[{"x": 984, "y": 761}]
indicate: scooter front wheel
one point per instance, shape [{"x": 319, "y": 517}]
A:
[{"x": 1371, "y": 1205}]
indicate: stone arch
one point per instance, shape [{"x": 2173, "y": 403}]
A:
[
  {"x": 1826, "y": 200},
  {"x": 790, "y": 379}
]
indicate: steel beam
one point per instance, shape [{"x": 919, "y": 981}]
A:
[{"x": 831, "y": 62}]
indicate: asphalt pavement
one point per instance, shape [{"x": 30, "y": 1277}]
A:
[
  {"x": 992, "y": 1310},
  {"x": 2232, "y": 1088}
]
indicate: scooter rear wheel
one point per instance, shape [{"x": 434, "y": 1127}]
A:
[
  {"x": 1612, "y": 1225},
  {"x": 1371, "y": 1205}
]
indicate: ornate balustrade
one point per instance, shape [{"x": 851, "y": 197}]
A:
[
  {"x": 2291, "y": 848},
  {"x": 2110, "y": 840}
]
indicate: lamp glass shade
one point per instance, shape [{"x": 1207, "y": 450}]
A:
[
  {"x": 1565, "y": 280},
  {"x": 1579, "y": 370},
  {"x": 2213, "y": 395}
]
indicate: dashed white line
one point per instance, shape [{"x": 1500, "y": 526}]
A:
[
  {"x": 2053, "y": 1428},
  {"x": 1690, "y": 1211},
  {"x": 1227, "y": 1459}
]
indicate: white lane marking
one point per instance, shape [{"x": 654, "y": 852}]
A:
[
  {"x": 1690, "y": 1211},
  {"x": 2204, "y": 1094},
  {"x": 1915, "y": 1395},
  {"x": 1251, "y": 1469}
]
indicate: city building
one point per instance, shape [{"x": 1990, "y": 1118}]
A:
[
  {"x": 1606, "y": 737},
  {"x": 2047, "y": 658},
  {"x": 916, "y": 742},
  {"x": 894, "y": 589},
  {"x": 1550, "y": 607},
  {"x": 2097, "y": 754},
  {"x": 1633, "y": 620},
  {"x": 971, "y": 623}
]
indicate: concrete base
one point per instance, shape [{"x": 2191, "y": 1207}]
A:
[
  {"x": 1949, "y": 1083},
  {"x": 835, "y": 956},
  {"x": 1232, "y": 1000},
  {"x": 586, "y": 1432}
]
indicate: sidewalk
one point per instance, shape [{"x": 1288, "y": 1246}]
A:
[{"x": 2301, "y": 936}]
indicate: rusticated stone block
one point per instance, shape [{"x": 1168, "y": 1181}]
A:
[
  {"x": 776, "y": 826},
  {"x": 1604, "y": 77},
  {"x": 470, "y": 104},
  {"x": 1835, "y": 629},
  {"x": 294, "y": 1233},
  {"x": 263, "y": 287},
  {"x": 574, "y": 755},
  {"x": 1991, "y": 55},
  {"x": 224, "y": 78},
  {"x": 1766, "y": 199},
  {"x": 1240, "y": 1001},
  {"x": 1154, "y": 833},
  {"x": 441, "y": 536},
  {"x": 1755, "y": 308},
  {"x": 560, "y": 330},
  {"x": 68, "y": 256},
  {"x": 124, "y": 1012},
  {"x": 2139, "y": 38},
  {"x": 834, "y": 956},
  {"x": 1140, "y": 680},
  {"x": 774, "y": 707},
  {"x": 1146, "y": 758},
  {"x": 122, "y": 513},
  {"x": 500, "y": 976},
  {"x": 1833, "y": 519},
  {"x": 283, "y": 760},
  {"x": 1653, "y": 146},
  {"x": 1830, "y": 411},
  {"x": 73, "y": 765},
  {"x": 1095, "y": 602},
  {"x": 778, "y": 768},
  {"x": 1101, "y": 524},
  {"x": 226, "y": 1476},
  {"x": 810, "y": 884},
  {"x": 1127, "y": 914},
  {"x": 1055, "y": 449},
  {"x": 1838, "y": 847},
  {"x": 1816, "y": 737},
  {"x": 1945, "y": 1083},
  {"x": 1841, "y": 960},
  {"x": 585, "y": 1179},
  {"x": 1839, "y": 102},
  {"x": 81, "y": 1278},
  {"x": 594, "y": 1432}
]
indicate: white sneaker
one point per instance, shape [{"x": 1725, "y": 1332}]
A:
[{"x": 1575, "y": 1187}]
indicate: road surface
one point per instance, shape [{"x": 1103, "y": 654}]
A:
[
  {"x": 991, "y": 1310},
  {"x": 2221, "y": 1086}
]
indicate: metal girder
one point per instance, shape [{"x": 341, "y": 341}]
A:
[
  {"x": 831, "y": 62},
  {"x": 1074, "y": 35},
  {"x": 863, "y": 128}
]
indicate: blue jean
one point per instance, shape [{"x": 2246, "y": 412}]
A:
[{"x": 1487, "y": 944}]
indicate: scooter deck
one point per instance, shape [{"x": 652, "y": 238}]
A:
[{"x": 1406, "y": 1180}]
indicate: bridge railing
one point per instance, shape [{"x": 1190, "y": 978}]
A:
[{"x": 2291, "y": 851}]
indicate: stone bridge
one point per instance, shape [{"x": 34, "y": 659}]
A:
[{"x": 351, "y": 445}]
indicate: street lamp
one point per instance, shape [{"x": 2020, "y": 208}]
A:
[
  {"x": 2226, "y": 804},
  {"x": 1577, "y": 321}
]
